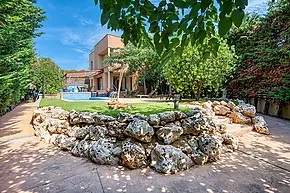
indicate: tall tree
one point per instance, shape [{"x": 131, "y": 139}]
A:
[
  {"x": 54, "y": 75},
  {"x": 19, "y": 20},
  {"x": 193, "y": 20},
  {"x": 196, "y": 72},
  {"x": 264, "y": 58}
]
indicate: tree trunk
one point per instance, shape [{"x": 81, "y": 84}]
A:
[
  {"x": 198, "y": 91},
  {"x": 120, "y": 84},
  {"x": 145, "y": 89}
]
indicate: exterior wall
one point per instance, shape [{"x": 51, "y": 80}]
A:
[
  {"x": 92, "y": 61},
  {"x": 101, "y": 50},
  {"x": 75, "y": 81}
]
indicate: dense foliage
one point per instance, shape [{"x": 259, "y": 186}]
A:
[
  {"x": 192, "y": 20},
  {"x": 54, "y": 75},
  {"x": 192, "y": 74},
  {"x": 19, "y": 20},
  {"x": 141, "y": 60},
  {"x": 263, "y": 46}
]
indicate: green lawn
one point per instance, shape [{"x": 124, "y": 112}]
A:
[{"x": 102, "y": 107}]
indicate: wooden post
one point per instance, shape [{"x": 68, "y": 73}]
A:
[{"x": 43, "y": 86}]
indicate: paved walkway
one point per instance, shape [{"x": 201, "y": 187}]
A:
[{"x": 28, "y": 165}]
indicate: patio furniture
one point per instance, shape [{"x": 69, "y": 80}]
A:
[{"x": 145, "y": 95}]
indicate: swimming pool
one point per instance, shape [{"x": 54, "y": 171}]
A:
[{"x": 76, "y": 96}]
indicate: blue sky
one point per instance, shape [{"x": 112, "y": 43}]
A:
[{"x": 73, "y": 28}]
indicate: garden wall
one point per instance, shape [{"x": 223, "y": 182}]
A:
[{"x": 169, "y": 142}]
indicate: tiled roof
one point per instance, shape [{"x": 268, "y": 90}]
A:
[{"x": 82, "y": 74}]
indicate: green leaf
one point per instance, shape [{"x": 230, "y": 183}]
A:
[
  {"x": 105, "y": 17},
  {"x": 156, "y": 38},
  {"x": 180, "y": 4},
  {"x": 159, "y": 48},
  {"x": 224, "y": 26},
  {"x": 204, "y": 4},
  {"x": 237, "y": 17},
  {"x": 226, "y": 7},
  {"x": 201, "y": 35},
  {"x": 165, "y": 42},
  {"x": 174, "y": 43},
  {"x": 241, "y": 3},
  {"x": 206, "y": 55}
]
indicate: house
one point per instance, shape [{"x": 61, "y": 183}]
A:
[
  {"x": 78, "y": 79},
  {"x": 106, "y": 78}
]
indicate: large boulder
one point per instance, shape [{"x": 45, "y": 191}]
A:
[
  {"x": 64, "y": 142},
  {"x": 85, "y": 117},
  {"x": 59, "y": 113},
  {"x": 198, "y": 157},
  {"x": 168, "y": 159},
  {"x": 78, "y": 132},
  {"x": 102, "y": 119},
  {"x": 56, "y": 126},
  {"x": 102, "y": 152},
  {"x": 82, "y": 148},
  {"x": 209, "y": 146},
  {"x": 221, "y": 110},
  {"x": 133, "y": 154},
  {"x": 230, "y": 140},
  {"x": 42, "y": 132},
  {"x": 97, "y": 132},
  {"x": 249, "y": 110},
  {"x": 124, "y": 117},
  {"x": 207, "y": 105},
  {"x": 153, "y": 119},
  {"x": 169, "y": 134},
  {"x": 140, "y": 129},
  {"x": 116, "y": 129},
  {"x": 231, "y": 105},
  {"x": 240, "y": 118},
  {"x": 260, "y": 125},
  {"x": 167, "y": 116},
  {"x": 183, "y": 145},
  {"x": 215, "y": 103},
  {"x": 74, "y": 117},
  {"x": 224, "y": 103}
]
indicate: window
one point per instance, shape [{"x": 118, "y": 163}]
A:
[{"x": 92, "y": 67}]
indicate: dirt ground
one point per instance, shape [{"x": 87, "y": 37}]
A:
[{"x": 262, "y": 164}]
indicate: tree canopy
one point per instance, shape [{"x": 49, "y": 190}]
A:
[
  {"x": 54, "y": 75},
  {"x": 194, "y": 74},
  {"x": 174, "y": 23},
  {"x": 19, "y": 20},
  {"x": 263, "y": 47}
]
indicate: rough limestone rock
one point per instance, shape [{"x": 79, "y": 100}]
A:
[
  {"x": 59, "y": 113},
  {"x": 180, "y": 115},
  {"x": 249, "y": 110},
  {"x": 139, "y": 116},
  {"x": 79, "y": 132},
  {"x": 116, "y": 129},
  {"x": 240, "y": 118},
  {"x": 85, "y": 117},
  {"x": 196, "y": 113},
  {"x": 168, "y": 159},
  {"x": 214, "y": 103},
  {"x": 182, "y": 144},
  {"x": 140, "y": 129},
  {"x": 74, "y": 117},
  {"x": 167, "y": 116},
  {"x": 82, "y": 148},
  {"x": 102, "y": 119},
  {"x": 238, "y": 109},
  {"x": 57, "y": 126},
  {"x": 231, "y": 105},
  {"x": 124, "y": 117},
  {"x": 224, "y": 103},
  {"x": 133, "y": 154},
  {"x": 169, "y": 134},
  {"x": 97, "y": 132},
  {"x": 101, "y": 152},
  {"x": 207, "y": 105},
  {"x": 43, "y": 133},
  {"x": 260, "y": 125},
  {"x": 198, "y": 157},
  {"x": 221, "y": 110},
  {"x": 64, "y": 142},
  {"x": 209, "y": 146},
  {"x": 229, "y": 139},
  {"x": 153, "y": 119}
]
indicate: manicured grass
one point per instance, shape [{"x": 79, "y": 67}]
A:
[{"x": 102, "y": 107}]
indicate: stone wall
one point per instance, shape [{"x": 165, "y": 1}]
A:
[{"x": 168, "y": 142}]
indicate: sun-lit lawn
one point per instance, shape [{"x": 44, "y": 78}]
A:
[{"x": 102, "y": 107}]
